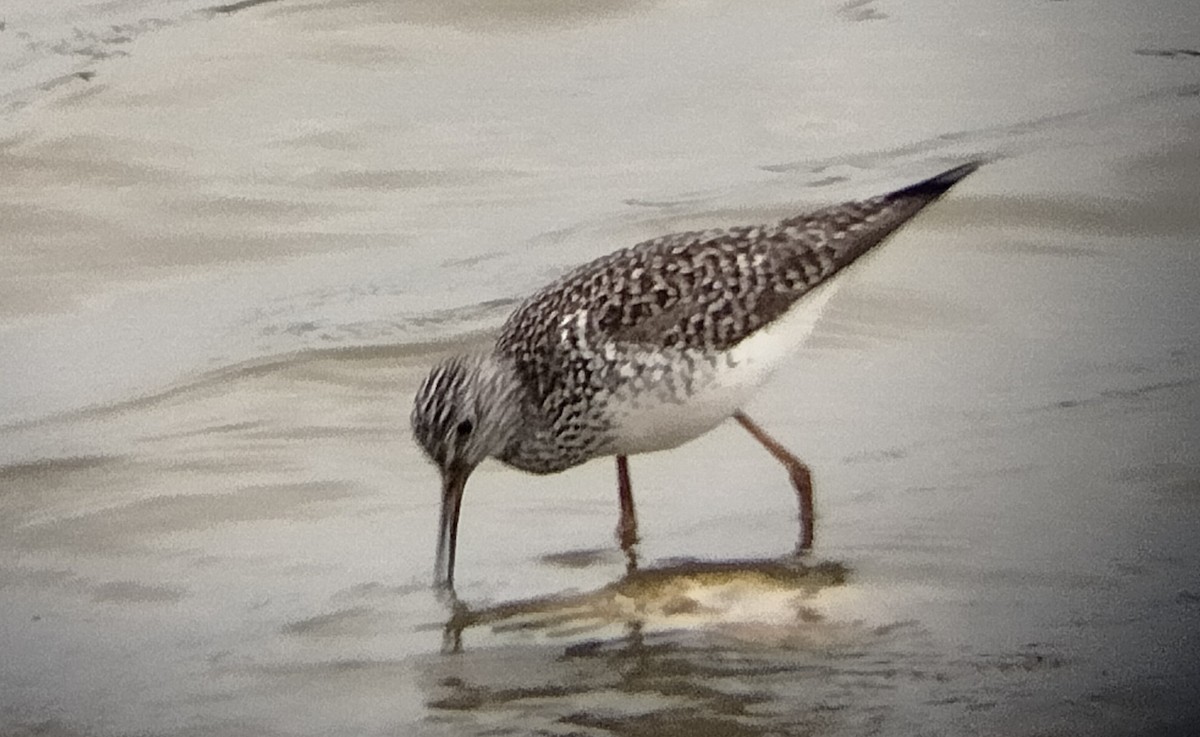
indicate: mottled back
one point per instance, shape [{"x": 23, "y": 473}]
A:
[{"x": 701, "y": 290}]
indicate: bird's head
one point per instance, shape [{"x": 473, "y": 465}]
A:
[{"x": 468, "y": 408}]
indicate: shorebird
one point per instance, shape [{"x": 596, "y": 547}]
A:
[{"x": 645, "y": 349}]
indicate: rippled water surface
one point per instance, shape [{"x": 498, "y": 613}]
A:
[{"x": 234, "y": 237}]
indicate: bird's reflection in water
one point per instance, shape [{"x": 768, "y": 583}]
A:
[
  {"x": 729, "y": 649},
  {"x": 674, "y": 595},
  {"x": 686, "y": 647}
]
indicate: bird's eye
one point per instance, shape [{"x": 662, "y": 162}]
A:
[{"x": 464, "y": 428}]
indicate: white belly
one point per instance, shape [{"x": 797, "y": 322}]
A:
[{"x": 646, "y": 421}]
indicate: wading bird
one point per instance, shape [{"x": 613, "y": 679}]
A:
[{"x": 646, "y": 349}]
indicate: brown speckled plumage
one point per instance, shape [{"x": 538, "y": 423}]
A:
[
  {"x": 583, "y": 363},
  {"x": 699, "y": 292}
]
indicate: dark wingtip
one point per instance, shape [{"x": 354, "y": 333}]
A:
[{"x": 936, "y": 185}]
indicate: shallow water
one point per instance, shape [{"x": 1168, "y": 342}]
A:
[{"x": 232, "y": 250}]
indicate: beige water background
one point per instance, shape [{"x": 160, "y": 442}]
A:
[{"x": 228, "y": 254}]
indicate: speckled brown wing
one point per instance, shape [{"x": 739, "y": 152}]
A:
[{"x": 702, "y": 290}]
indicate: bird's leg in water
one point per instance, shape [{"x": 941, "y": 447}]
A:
[
  {"x": 627, "y": 527},
  {"x": 801, "y": 477}
]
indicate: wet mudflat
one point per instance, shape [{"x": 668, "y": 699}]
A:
[{"x": 231, "y": 254}]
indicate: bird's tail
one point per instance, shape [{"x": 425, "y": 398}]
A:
[{"x": 836, "y": 236}]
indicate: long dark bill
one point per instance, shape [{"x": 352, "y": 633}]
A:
[{"x": 454, "y": 481}]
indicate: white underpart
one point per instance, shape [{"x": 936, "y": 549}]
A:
[{"x": 652, "y": 420}]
